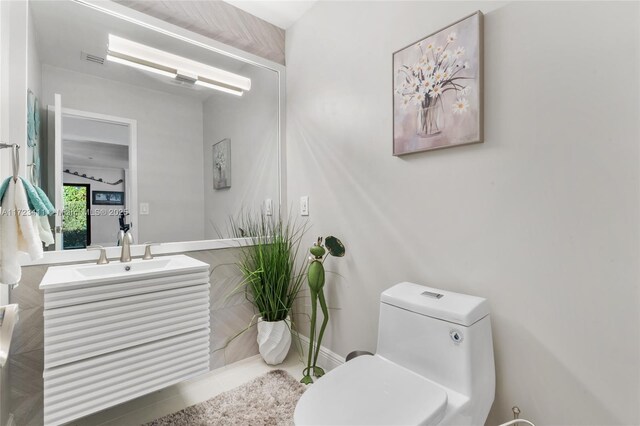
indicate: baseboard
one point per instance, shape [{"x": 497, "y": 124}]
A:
[{"x": 326, "y": 359}]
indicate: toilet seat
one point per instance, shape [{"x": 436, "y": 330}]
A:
[{"x": 369, "y": 390}]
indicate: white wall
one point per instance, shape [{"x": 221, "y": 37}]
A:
[
  {"x": 542, "y": 219},
  {"x": 34, "y": 83},
  {"x": 13, "y": 86},
  {"x": 13, "y": 53},
  {"x": 251, "y": 122},
  {"x": 170, "y": 165},
  {"x": 34, "y": 72}
]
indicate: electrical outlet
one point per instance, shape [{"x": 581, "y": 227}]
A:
[
  {"x": 144, "y": 209},
  {"x": 304, "y": 205},
  {"x": 268, "y": 207}
]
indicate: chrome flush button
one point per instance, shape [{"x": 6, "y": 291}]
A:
[{"x": 456, "y": 336}]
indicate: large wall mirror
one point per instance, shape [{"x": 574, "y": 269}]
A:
[{"x": 143, "y": 131}]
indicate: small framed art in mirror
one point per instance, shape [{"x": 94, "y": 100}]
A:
[{"x": 222, "y": 164}]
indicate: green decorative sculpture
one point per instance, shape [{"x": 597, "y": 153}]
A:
[{"x": 315, "y": 275}]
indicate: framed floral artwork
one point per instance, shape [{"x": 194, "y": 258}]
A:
[
  {"x": 437, "y": 89},
  {"x": 222, "y": 164}
]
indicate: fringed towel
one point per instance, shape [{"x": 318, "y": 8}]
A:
[
  {"x": 40, "y": 204},
  {"x": 17, "y": 232}
]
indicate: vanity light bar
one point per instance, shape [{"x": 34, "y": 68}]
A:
[
  {"x": 133, "y": 64},
  {"x": 147, "y": 58},
  {"x": 218, "y": 87}
]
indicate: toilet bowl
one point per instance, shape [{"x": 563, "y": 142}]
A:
[{"x": 434, "y": 366}]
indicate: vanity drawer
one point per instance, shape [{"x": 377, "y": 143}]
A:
[
  {"x": 84, "y": 387},
  {"x": 82, "y": 293},
  {"x": 77, "y": 332}
]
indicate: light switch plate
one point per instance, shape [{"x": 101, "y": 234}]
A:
[
  {"x": 304, "y": 205},
  {"x": 144, "y": 209}
]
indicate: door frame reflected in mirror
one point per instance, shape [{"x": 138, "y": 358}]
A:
[{"x": 56, "y": 168}]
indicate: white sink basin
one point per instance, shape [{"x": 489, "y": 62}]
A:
[
  {"x": 73, "y": 275},
  {"x": 94, "y": 271},
  {"x": 6, "y": 331}
]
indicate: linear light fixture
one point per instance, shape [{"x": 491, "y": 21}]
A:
[
  {"x": 143, "y": 67},
  {"x": 147, "y": 58}
]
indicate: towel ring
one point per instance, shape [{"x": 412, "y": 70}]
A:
[
  {"x": 16, "y": 158},
  {"x": 16, "y": 161}
]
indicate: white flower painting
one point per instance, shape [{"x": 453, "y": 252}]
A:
[
  {"x": 222, "y": 164},
  {"x": 437, "y": 93}
]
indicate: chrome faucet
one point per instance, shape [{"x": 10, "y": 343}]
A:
[{"x": 127, "y": 240}]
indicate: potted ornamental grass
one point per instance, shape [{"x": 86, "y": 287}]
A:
[{"x": 272, "y": 280}]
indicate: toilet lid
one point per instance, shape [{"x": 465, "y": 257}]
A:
[{"x": 370, "y": 390}]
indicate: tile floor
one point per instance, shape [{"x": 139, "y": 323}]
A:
[{"x": 177, "y": 397}]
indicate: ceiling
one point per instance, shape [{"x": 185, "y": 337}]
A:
[
  {"x": 282, "y": 14},
  {"x": 66, "y": 29},
  {"x": 94, "y": 143},
  {"x": 80, "y": 128},
  {"x": 94, "y": 155}
]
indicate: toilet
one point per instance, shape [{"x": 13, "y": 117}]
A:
[{"x": 434, "y": 366}]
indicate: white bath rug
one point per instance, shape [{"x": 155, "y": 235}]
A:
[{"x": 268, "y": 400}]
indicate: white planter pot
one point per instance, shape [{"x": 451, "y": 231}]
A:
[{"x": 274, "y": 340}]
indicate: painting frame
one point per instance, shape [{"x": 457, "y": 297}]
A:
[
  {"x": 221, "y": 162},
  {"x": 420, "y": 143},
  {"x": 107, "y": 198}
]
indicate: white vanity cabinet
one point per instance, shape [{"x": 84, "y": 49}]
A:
[{"x": 118, "y": 331}]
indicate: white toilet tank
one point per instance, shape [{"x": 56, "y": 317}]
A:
[{"x": 442, "y": 336}]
